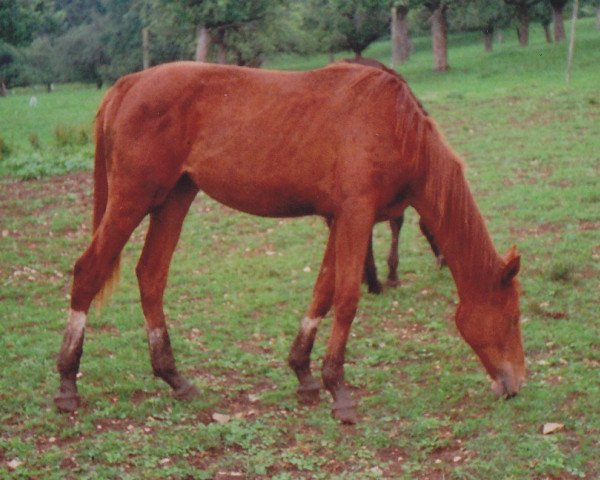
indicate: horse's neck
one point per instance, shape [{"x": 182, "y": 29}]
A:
[{"x": 445, "y": 202}]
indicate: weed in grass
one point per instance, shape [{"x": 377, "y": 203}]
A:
[
  {"x": 34, "y": 140},
  {"x": 561, "y": 271},
  {"x": 71, "y": 136},
  {"x": 5, "y": 149}
]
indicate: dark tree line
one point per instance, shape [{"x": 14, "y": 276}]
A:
[{"x": 47, "y": 41}]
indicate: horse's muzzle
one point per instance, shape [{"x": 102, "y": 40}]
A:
[{"x": 507, "y": 384}]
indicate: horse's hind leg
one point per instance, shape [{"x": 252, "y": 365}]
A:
[
  {"x": 93, "y": 269},
  {"x": 152, "y": 271},
  {"x": 392, "y": 261},
  {"x": 299, "y": 357}
]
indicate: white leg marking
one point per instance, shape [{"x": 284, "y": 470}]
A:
[
  {"x": 75, "y": 329},
  {"x": 155, "y": 336},
  {"x": 309, "y": 325}
]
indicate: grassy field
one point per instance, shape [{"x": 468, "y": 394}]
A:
[{"x": 240, "y": 284}]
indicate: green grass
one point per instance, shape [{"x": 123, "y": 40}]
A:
[{"x": 240, "y": 284}]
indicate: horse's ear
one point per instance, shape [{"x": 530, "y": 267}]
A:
[{"x": 511, "y": 266}]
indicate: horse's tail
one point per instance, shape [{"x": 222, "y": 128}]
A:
[{"x": 101, "y": 159}]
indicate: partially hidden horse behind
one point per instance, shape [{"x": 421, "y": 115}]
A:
[
  {"x": 370, "y": 276},
  {"x": 347, "y": 142}
]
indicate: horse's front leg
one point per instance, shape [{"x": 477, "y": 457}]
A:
[
  {"x": 299, "y": 357},
  {"x": 354, "y": 226}
]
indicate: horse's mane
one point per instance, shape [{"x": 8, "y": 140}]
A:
[
  {"x": 371, "y": 62},
  {"x": 455, "y": 220},
  {"x": 454, "y": 217}
]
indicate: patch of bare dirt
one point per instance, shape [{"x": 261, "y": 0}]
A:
[{"x": 537, "y": 230}]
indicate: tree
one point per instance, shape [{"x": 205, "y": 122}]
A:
[
  {"x": 22, "y": 20},
  {"x": 542, "y": 13},
  {"x": 557, "y": 19},
  {"x": 400, "y": 35},
  {"x": 348, "y": 24},
  {"x": 42, "y": 62},
  {"x": 358, "y": 23},
  {"x": 522, "y": 10},
  {"x": 83, "y": 52},
  {"x": 437, "y": 10},
  {"x": 11, "y": 66},
  {"x": 481, "y": 15},
  {"x": 235, "y": 27}
]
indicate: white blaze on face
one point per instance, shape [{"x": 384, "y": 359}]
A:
[
  {"x": 75, "y": 329},
  {"x": 309, "y": 325}
]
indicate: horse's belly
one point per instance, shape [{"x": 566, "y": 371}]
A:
[{"x": 261, "y": 197}]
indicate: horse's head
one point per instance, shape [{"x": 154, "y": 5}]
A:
[{"x": 491, "y": 327}]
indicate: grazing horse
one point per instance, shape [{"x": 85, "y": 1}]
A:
[
  {"x": 370, "y": 276},
  {"x": 347, "y": 142}
]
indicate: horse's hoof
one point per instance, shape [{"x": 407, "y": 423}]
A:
[
  {"x": 441, "y": 261},
  {"x": 346, "y": 415},
  {"x": 376, "y": 289},
  {"x": 67, "y": 402},
  {"x": 187, "y": 392},
  {"x": 309, "y": 395},
  {"x": 392, "y": 282}
]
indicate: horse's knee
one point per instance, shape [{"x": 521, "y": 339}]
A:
[{"x": 346, "y": 306}]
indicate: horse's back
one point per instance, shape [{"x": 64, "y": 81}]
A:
[{"x": 265, "y": 142}]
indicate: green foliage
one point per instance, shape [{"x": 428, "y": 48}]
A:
[
  {"x": 4, "y": 149},
  {"x": 83, "y": 52},
  {"x": 349, "y": 24},
  {"x": 479, "y": 15},
  {"x": 71, "y": 136},
  {"x": 45, "y": 163},
  {"x": 22, "y": 20}
]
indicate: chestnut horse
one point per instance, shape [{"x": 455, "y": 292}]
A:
[
  {"x": 370, "y": 277},
  {"x": 347, "y": 142}
]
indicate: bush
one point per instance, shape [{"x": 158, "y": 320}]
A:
[
  {"x": 39, "y": 164},
  {"x": 562, "y": 271},
  {"x": 71, "y": 136},
  {"x": 34, "y": 140},
  {"x": 5, "y": 150}
]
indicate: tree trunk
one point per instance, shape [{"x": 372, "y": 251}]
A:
[
  {"x": 400, "y": 36},
  {"x": 546, "y": 27},
  {"x": 439, "y": 34},
  {"x": 598, "y": 18},
  {"x": 572, "y": 40},
  {"x": 202, "y": 43},
  {"x": 488, "y": 38},
  {"x": 145, "y": 48},
  {"x": 523, "y": 32},
  {"x": 559, "y": 25},
  {"x": 221, "y": 53},
  {"x": 3, "y": 91}
]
